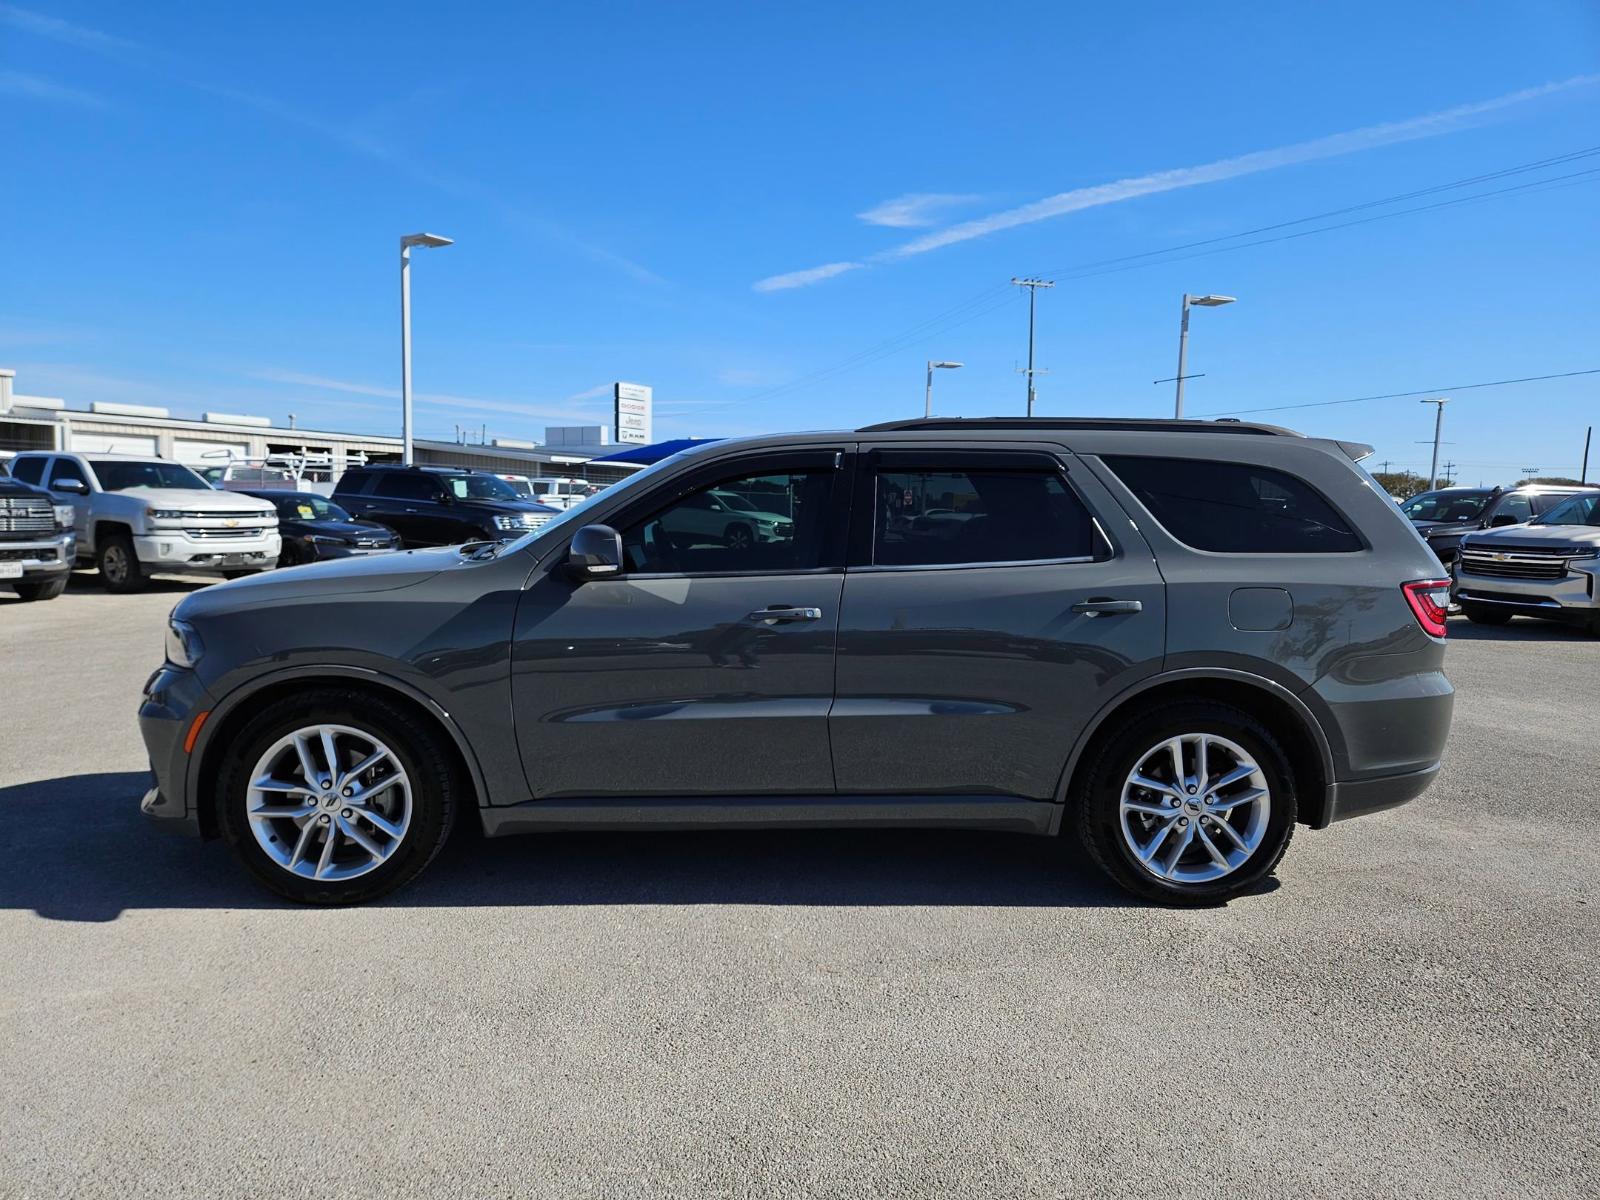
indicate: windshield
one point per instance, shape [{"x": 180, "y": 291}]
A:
[
  {"x": 1446, "y": 506},
  {"x": 310, "y": 508},
  {"x": 520, "y": 486},
  {"x": 479, "y": 487},
  {"x": 734, "y": 500},
  {"x": 1580, "y": 510},
  {"x": 121, "y": 476}
]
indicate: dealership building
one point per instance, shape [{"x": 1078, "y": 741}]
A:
[{"x": 217, "y": 438}]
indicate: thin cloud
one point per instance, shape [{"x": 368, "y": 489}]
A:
[
  {"x": 434, "y": 399},
  {"x": 916, "y": 209},
  {"x": 57, "y": 30},
  {"x": 794, "y": 279},
  {"x": 1335, "y": 145},
  {"x": 31, "y": 87}
]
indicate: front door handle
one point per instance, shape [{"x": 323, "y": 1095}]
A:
[
  {"x": 785, "y": 612},
  {"x": 1104, "y": 606}
]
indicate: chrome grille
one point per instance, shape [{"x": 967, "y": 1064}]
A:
[
  {"x": 1511, "y": 564},
  {"x": 215, "y": 534},
  {"x": 29, "y": 516}
]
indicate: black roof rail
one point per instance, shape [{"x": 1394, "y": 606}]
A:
[{"x": 1141, "y": 424}]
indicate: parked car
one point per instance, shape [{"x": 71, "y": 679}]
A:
[
  {"x": 719, "y": 517},
  {"x": 439, "y": 506},
  {"x": 314, "y": 528},
  {"x": 37, "y": 544},
  {"x": 561, "y": 493},
  {"x": 135, "y": 515},
  {"x": 1547, "y": 568},
  {"x": 239, "y": 477},
  {"x": 1444, "y": 516},
  {"x": 1172, "y": 640}
]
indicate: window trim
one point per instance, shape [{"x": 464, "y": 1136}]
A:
[
  {"x": 839, "y": 459},
  {"x": 1023, "y": 461},
  {"x": 1351, "y": 527}
]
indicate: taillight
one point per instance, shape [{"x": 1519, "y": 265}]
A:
[{"x": 1430, "y": 602}]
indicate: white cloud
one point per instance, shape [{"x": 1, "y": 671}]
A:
[
  {"x": 1353, "y": 141},
  {"x": 916, "y": 209},
  {"x": 794, "y": 279},
  {"x": 441, "y": 399},
  {"x": 31, "y": 87}
]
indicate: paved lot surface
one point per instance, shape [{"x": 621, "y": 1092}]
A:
[{"x": 1410, "y": 1011}]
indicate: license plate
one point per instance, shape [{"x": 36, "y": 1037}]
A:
[
  {"x": 233, "y": 560},
  {"x": 10, "y": 570}
]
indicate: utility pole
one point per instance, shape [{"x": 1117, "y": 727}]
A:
[
  {"x": 1438, "y": 428},
  {"x": 1583, "y": 476},
  {"x": 1449, "y": 473},
  {"x": 1033, "y": 286}
]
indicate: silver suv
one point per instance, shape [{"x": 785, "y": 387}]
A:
[
  {"x": 1547, "y": 568},
  {"x": 1172, "y": 640}
]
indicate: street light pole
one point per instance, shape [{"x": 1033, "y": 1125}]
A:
[
  {"x": 1183, "y": 340},
  {"x": 406, "y": 242},
  {"x": 933, "y": 365},
  {"x": 1438, "y": 428}
]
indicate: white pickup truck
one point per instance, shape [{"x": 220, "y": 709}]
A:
[{"x": 135, "y": 515}]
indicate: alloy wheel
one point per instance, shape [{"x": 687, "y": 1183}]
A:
[
  {"x": 329, "y": 802},
  {"x": 1195, "y": 808}
]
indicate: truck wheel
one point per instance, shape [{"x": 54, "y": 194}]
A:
[
  {"x": 1191, "y": 804},
  {"x": 41, "y": 589},
  {"x": 120, "y": 570},
  {"x": 1485, "y": 614},
  {"x": 336, "y": 797}
]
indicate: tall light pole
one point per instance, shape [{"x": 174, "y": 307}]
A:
[
  {"x": 927, "y": 402},
  {"x": 1438, "y": 428},
  {"x": 1033, "y": 286},
  {"x": 1183, "y": 338},
  {"x": 406, "y": 242}
]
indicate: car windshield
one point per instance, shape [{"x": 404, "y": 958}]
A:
[
  {"x": 121, "y": 476},
  {"x": 1579, "y": 510},
  {"x": 479, "y": 487},
  {"x": 520, "y": 486},
  {"x": 310, "y": 508},
  {"x": 734, "y": 500},
  {"x": 1446, "y": 506}
]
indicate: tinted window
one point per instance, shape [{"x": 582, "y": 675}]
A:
[
  {"x": 115, "y": 476},
  {"x": 1543, "y": 502},
  {"x": 1576, "y": 510},
  {"x": 65, "y": 470},
  {"x": 784, "y": 529},
  {"x": 307, "y": 507},
  {"x": 29, "y": 470},
  {"x": 933, "y": 518},
  {"x": 479, "y": 487},
  {"x": 353, "y": 483},
  {"x": 402, "y": 485},
  {"x": 1515, "y": 505},
  {"x": 1446, "y": 506},
  {"x": 1235, "y": 508}
]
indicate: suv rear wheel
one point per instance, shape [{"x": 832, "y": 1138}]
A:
[
  {"x": 1191, "y": 804},
  {"x": 120, "y": 569},
  {"x": 337, "y": 797}
]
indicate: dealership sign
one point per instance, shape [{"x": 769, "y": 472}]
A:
[{"x": 633, "y": 417}]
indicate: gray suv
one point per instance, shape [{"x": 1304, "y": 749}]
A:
[{"x": 1174, "y": 639}]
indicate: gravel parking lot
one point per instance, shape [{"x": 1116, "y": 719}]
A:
[{"x": 1410, "y": 1010}]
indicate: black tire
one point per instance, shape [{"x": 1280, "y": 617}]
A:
[
  {"x": 415, "y": 742},
  {"x": 41, "y": 589},
  {"x": 120, "y": 569},
  {"x": 1094, "y": 805},
  {"x": 1485, "y": 614},
  {"x": 738, "y": 536},
  {"x": 238, "y": 574}
]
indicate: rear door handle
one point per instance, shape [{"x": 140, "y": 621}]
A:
[
  {"x": 1102, "y": 606},
  {"x": 785, "y": 612}
]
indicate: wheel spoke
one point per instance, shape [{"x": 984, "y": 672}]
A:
[
  {"x": 330, "y": 753},
  {"x": 303, "y": 843},
  {"x": 351, "y": 831},
  {"x": 365, "y": 795},
  {"x": 278, "y": 811},
  {"x": 1154, "y": 785},
  {"x": 1148, "y": 851},
  {"x": 1150, "y": 810},
  {"x": 268, "y": 783},
  {"x": 1233, "y": 802},
  {"x": 328, "y": 844},
  {"x": 1243, "y": 771},
  {"x": 1175, "y": 751},
  {"x": 366, "y": 764},
  {"x": 1233, "y": 835},
  {"x": 1217, "y": 856},
  {"x": 380, "y": 822},
  {"x": 1201, "y": 770},
  {"x": 302, "y": 747},
  {"x": 1178, "y": 851}
]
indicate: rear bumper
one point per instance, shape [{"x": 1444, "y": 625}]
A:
[{"x": 1356, "y": 799}]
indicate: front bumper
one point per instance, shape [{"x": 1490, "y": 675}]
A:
[
  {"x": 176, "y": 551},
  {"x": 1574, "y": 596},
  {"x": 38, "y": 559},
  {"x": 173, "y": 701}
]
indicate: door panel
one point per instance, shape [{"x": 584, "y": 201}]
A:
[
  {"x": 978, "y": 679},
  {"x": 668, "y": 686}
]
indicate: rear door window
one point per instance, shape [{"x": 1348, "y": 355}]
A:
[{"x": 1235, "y": 508}]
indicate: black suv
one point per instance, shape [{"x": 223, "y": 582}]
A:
[
  {"x": 1173, "y": 640},
  {"x": 1447, "y": 515},
  {"x": 439, "y": 506}
]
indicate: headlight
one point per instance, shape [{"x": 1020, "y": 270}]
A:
[
  {"x": 64, "y": 515},
  {"x": 183, "y": 644},
  {"x": 323, "y": 539},
  {"x": 165, "y": 514},
  {"x": 1583, "y": 554}
]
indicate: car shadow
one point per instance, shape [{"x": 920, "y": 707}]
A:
[
  {"x": 1518, "y": 629},
  {"x": 77, "y": 849},
  {"x": 89, "y": 581}
]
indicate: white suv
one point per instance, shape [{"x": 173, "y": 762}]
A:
[{"x": 135, "y": 516}]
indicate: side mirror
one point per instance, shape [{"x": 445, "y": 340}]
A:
[
  {"x": 1504, "y": 519},
  {"x": 595, "y": 553},
  {"x": 76, "y": 486}
]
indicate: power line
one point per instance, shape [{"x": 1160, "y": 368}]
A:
[{"x": 1460, "y": 387}]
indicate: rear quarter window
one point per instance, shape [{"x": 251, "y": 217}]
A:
[
  {"x": 1235, "y": 508},
  {"x": 352, "y": 483}
]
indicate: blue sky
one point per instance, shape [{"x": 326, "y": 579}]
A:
[{"x": 201, "y": 203}]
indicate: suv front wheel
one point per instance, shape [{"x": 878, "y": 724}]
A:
[{"x": 1191, "y": 804}]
